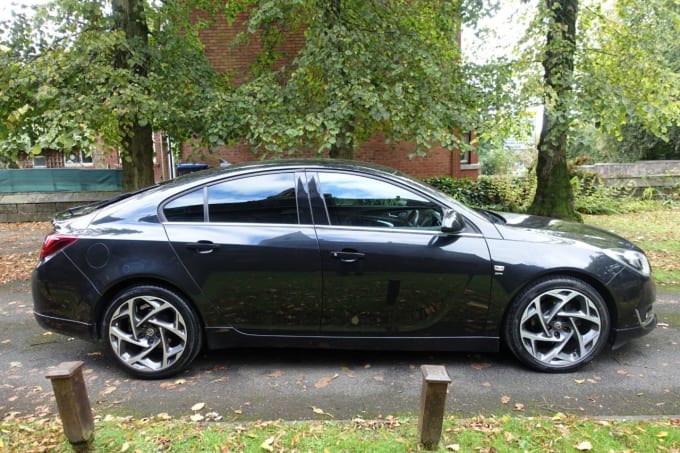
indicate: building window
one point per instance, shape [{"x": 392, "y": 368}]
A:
[
  {"x": 78, "y": 158},
  {"x": 465, "y": 155}
]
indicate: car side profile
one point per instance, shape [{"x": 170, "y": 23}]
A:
[{"x": 340, "y": 254}]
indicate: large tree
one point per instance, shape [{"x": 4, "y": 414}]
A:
[
  {"x": 78, "y": 72},
  {"x": 391, "y": 67},
  {"x": 554, "y": 196},
  {"x": 607, "y": 66}
]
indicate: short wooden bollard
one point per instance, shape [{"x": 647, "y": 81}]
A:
[
  {"x": 432, "y": 403},
  {"x": 73, "y": 403}
]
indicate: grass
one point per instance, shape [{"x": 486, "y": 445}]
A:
[
  {"x": 480, "y": 434},
  {"x": 656, "y": 232}
]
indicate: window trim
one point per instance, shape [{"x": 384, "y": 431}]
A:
[{"x": 206, "y": 212}]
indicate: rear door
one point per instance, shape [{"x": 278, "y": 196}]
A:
[{"x": 249, "y": 244}]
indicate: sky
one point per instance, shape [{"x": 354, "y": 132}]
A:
[{"x": 505, "y": 29}]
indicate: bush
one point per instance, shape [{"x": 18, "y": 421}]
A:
[
  {"x": 514, "y": 194},
  {"x": 489, "y": 192}
]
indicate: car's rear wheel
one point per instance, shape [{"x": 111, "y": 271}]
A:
[
  {"x": 151, "y": 331},
  {"x": 557, "y": 325}
]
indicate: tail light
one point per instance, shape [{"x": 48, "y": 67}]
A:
[{"x": 54, "y": 242}]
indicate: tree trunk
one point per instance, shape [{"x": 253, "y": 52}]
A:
[
  {"x": 137, "y": 152},
  {"x": 343, "y": 148},
  {"x": 554, "y": 195},
  {"x": 138, "y": 160}
]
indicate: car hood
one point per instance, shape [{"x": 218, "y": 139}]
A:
[{"x": 540, "y": 229}]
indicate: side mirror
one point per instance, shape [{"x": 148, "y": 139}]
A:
[{"x": 452, "y": 221}]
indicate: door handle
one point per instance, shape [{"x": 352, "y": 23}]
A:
[
  {"x": 204, "y": 247},
  {"x": 348, "y": 257}
]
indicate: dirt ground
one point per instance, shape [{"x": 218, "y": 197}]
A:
[{"x": 19, "y": 248}]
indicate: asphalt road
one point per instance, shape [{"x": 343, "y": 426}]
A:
[{"x": 640, "y": 379}]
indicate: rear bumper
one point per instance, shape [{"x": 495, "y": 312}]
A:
[{"x": 66, "y": 327}]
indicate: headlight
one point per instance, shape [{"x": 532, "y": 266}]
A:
[{"x": 631, "y": 258}]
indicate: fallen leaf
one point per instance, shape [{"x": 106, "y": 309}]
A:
[
  {"x": 662, "y": 434},
  {"x": 453, "y": 447},
  {"x": 505, "y": 399},
  {"x": 378, "y": 378},
  {"x": 197, "y": 407},
  {"x": 196, "y": 418},
  {"x": 108, "y": 390},
  {"x": 275, "y": 374},
  {"x": 325, "y": 380},
  {"x": 558, "y": 416},
  {"x": 579, "y": 381},
  {"x": 584, "y": 446},
  {"x": 267, "y": 444},
  {"x": 318, "y": 410},
  {"x": 15, "y": 365},
  {"x": 480, "y": 365},
  {"x": 519, "y": 406},
  {"x": 125, "y": 447}
]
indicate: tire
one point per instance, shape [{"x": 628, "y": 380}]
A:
[
  {"x": 557, "y": 325},
  {"x": 151, "y": 332}
]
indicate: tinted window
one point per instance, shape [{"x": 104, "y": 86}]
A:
[
  {"x": 257, "y": 199},
  {"x": 187, "y": 208},
  {"x": 361, "y": 201}
]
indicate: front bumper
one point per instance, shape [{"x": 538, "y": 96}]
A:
[{"x": 647, "y": 324}]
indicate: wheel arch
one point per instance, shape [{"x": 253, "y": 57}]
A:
[{"x": 109, "y": 295}]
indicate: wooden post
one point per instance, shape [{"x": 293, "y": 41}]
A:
[
  {"x": 432, "y": 403},
  {"x": 73, "y": 403}
]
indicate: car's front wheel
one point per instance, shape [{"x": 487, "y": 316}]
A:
[
  {"x": 557, "y": 324},
  {"x": 151, "y": 331}
]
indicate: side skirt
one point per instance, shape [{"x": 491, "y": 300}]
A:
[{"x": 221, "y": 338}]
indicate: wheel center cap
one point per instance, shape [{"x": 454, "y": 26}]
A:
[
  {"x": 558, "y": 325},
  {"x": 150, "y": 332}
]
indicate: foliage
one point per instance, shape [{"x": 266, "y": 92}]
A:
[
  {"x": 591, "y": 195},
  {"x": 629, "y": 111},
  {"x": 629, "y": 66},
  {"x": 161, "y": 433},
  {"x": 391, "y": 67},
  {"x": 497, "y": 193},
  {"x": 63, "y": 86}
]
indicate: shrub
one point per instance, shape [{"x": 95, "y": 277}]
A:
[
  {"x": 515, "y": 194},
  {"x": 489, "y": 192}
]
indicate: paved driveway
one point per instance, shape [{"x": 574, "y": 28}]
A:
[{"x": 639, "y": 379}]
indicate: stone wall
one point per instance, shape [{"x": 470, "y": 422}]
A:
[
  {"x": 42, "y": 206},
  {"x": 651, "y": 173}
]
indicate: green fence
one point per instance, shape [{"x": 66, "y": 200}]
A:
[{"x": 60, "y": 180}]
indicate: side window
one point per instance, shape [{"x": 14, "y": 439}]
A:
[
  {"x": 187, "y": 208},
  {"x": 361, "y": 201},
  {"x": 266, "y": 198}
]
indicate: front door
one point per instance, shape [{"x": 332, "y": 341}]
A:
[{"x": 389, "y": 270}]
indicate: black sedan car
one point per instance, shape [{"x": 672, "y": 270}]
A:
[{"x": 332, "y": 254}]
